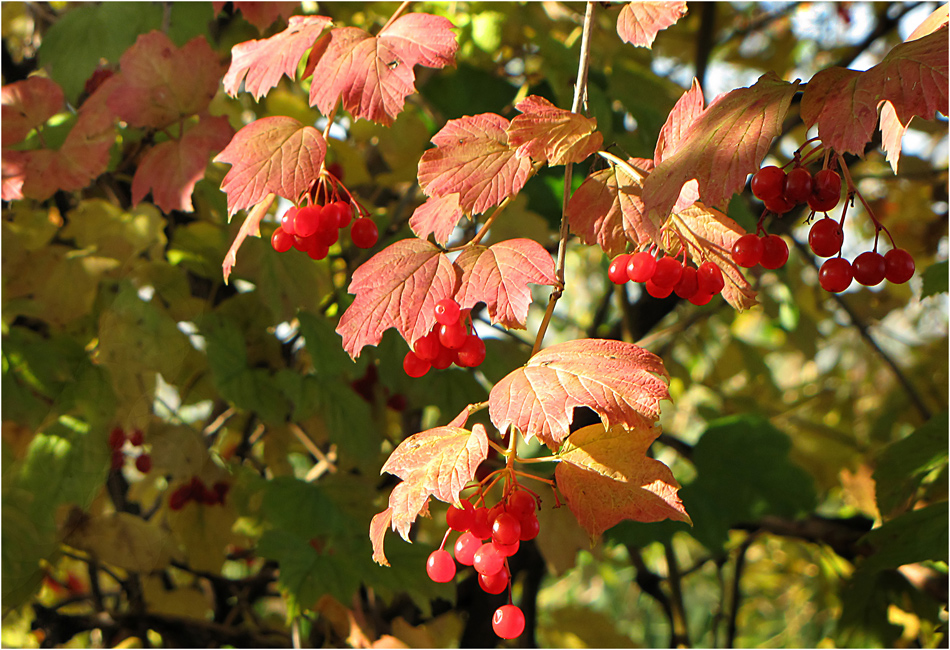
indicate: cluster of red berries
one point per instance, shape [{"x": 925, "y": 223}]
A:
[
  {"x": 781, "y": 192},
  {"x": 196, "y": 490},
  {"x": 869, "y": 268},
  {"x": 117, "y": 439},
  {"x": 489, "y": 537},
  {"x": 668, "y": 275},
  {"x": 451, "y": 340},
  {"x": 751, "y": 249},
  {"x": 312, "y": 229}
]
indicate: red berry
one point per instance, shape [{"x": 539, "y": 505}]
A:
[
  {"x": 447, "y": 311},
  {"x": 617, "y": 271},
  {"x": 445, "y": 358},
  {"x": 116, "y": 438},
  {"x": 307, "y": 220},
  {"x": 363, "y": 232},
  {"x": 465, "y": 547},
  {"x": 342, "y": 211},
  {"x": 318, "y": 251},
  {"x": 460, "y": 519},
  {"x": 835, "y": 275},
  {"x": 117, "y": 460},
  {"x": 529, "y": 527},
  {"x": 822, "y": 203},
  {"x": 414, "y": 366},
  {"x": 827, "y": 185},
  {"x": 825, "y": 237},
  {"x": 281, "y": 241},
  {"x": 453, "y": 336},
  {"x": 137, "y": 438},
  {"x": 287, "y": 220},
  {"x": 798, "y": 185},
  {"x": 180, "y": 497},
  {"x": 641, "y": 266},
  {"x": 472, "y": 352},
  {"x": 657, "y": 291},
  {"x": 869, "y": 268},
  {"x": 327, "y": 236},
  {"x": 496, "y": 583},
  {"x": 899, "y": 266},
  {"x": 143, "y": 463},
  {"x": 668, "y": 272},
  {"x": 774, "y": 252},
  {"x": 508, "y": 621},
  {"x": 700, "y": 298},
  {"x": 688, "y": 284},
  {"x": 427, "y": 348},
  {"x": 709, "y": 279},
  {"x": 480, "y": 526},
  {"x": 506, "y": 529},
  {"x": 747, "y": 251},
  {"x": 521, "y": 502},
  {"x": 440, "y": 566},
  {"x": 488, "y": 561},
  {"x": 768, "y": 183},
  {"x": 508, "y": 549},
  {"x": 779, "y": 205}
]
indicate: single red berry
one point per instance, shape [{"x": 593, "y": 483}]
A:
[
  {"x": 342, "y": 211},
  {"x": 529, "y": 527},
  {"x": 822, "y": 203},
  {"x": 480, "y": 526},
  {"x": 496, "y": 583},
  {"x": 779, "y": 205},
  {"x": 700, "y": 298},
  {"x": 688, "y": 284},
  {"x": 709, "y": 278},
  {"x": 116, "y": 438},
  {"x": 180, "y": 497},
  {"x": 327, "y": 236},
  {"x": 472, "y": 352},
  {"x": 427, "y": 348},
  {"x": 143, "y": 463},
  {"x": 440, "y": 566},
  {"x": 453, "y": 336},
  {"x": 506, "y": 529},
  {"x": 465, "y": 547},
  {"x": 445, "y": 358},
  {"x": 899, "y": 266},
  {"x": 798, "y": 185},
  {"x": 521, "y": 502},
  {"x": 508, "y": 621},
  {"x": 414, "y": 366},
  {"x": 318, "y": 251},
  {"x": 281, "y": 241},
  {"x": 137, "y": 438},
  {"x": 747, "y": 251},
  {"x": 869, "y": 268},
  {"x": 363, "y": 232},
  {"x": 617, "y": 271},
  {"x": 488, "y": 561},
  {"x": 835, "y": 275},
  {"x": 460, "y": 519},
  {"x": 668, "y": 272},
  {"x": 287, "y": 220},
  {"x": 447, "y": 311},
  {"x": 825, "y": 237},
  {"x": 657, "y": 291},
  {"x": 508, "y": 549},
  {"x": 641, "y": 266},
  {"x": 307, "y": 220},
  {"x": 303, "y": 244},
  {"x": 774, "y": 252},
  {"x": 768, "y": 183},
  {"x": 827, "y": 185},
  {"x": 117, "y": 460}
]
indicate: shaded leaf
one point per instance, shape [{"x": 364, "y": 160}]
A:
[
  {"x": 639, "y": 22},
  {"x": 903, "y": 465},
  {"x": 437, "y": 216},
  {"x": 27, "y": 105},
  {"x": 915, "y": 536},
  {"x": 935, "y": 279},
  {"x": 550, "y": 134},
  {"x": 260, "y": 14},
  {"x": 123, "y": 540}
]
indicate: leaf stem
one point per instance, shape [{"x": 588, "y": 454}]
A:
[{"x": 395, "y": 16}]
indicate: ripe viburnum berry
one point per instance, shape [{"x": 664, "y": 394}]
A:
[
  {"x": 869, "y": 268},
  {"x": 798, "y": 185},
  {"x": 779, "y": 205},
  {"x": 472, "y": 352},
  {"x": 281, "y": 241},
  {"x": 768, "y": 183},
  {"x": 447, "y": 311},
  {"x": 440, "y": 566},
  {"x": 835, "y": 275},
  {"x": 481, "y": 528},
  {"x": 827, "y": 184},
  {"x": 747, "y": 251},
  {"x": 521, "y": 502},
  {"x": 668, "y": 272},
  {"x": 529, "y": 527},
  {"x": 427, "y": 348},
  {"x": 825, "y": 237},
  {"x": 287, "y": 220},
  {"x": 465, "y": 547},
  {"x": 460, "y": 519},
  {"x": 709, "y": 278},
  {"x": 488, "y": 561},
  {"x": 414, "y": 366},
  {"x": 656, "y": 290},
  {"x": 495, "y": 583},
  {"x": 688, "y": 284},
  {"x": 899, "y": 266},
  {"x": 364, "y": 233},
  {"x": 641, "y": 266},
  {"x": 307, "y": 220},
  {"x": 617, "y": 271},
  {"x": 453, "y": 336},
  {"x": 506, "y": 529},
  {"x": 508, "y": 621},
  {"x": 774, "y": 252}
]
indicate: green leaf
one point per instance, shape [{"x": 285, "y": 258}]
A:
[
  {"x": 303, "y": 509},
  {"x": 935, "y": 279},
  {"x": 323, "y": 343},
  {"x": 915, "y": 536},
  {"x": 902, "y": 466}
]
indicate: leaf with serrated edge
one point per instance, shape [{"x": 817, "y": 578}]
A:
[
  {"x": 260, "y": 14},
  {"x": 688, "y": 107},
  {"x": 438, "y": 216},
  {"x": 398, "y": 287},
  {"x": 606, "y": 477},
  {"x": 271, "y": 155},
  {"x": 844, "y": 103},
  {"x": 722, "y": 146},
  {"x": 377, "y": 534},
  {"x": 373, "y": 75},
  {"x": 408, "y": 500},
  {"x": 472, "y": 158},
  {"x": 639, "y": 22},
  {"x": 499, "y": 275},
  {"x": 552, "y": 135},
  {"x": 250, "y": 227},
  {"x": 621, "y": 382},
  {"x": 264, "y": 61},
  {"x": 26, "y": 105}
]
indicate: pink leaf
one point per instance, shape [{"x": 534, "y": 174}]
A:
[
  {"x": 684, "y": 113},
  {"x": 407, "y": 501},
  {"x": 265, "y": 60},
  {"x": 27, "y": 105},
  {"x": 273, "y": 154},
  {"x": 620, "y": 381},
  {"x": 398, "y": 287},
  {"x": 171, "y": 169},
  {"x": 438, "y": 216},
  {"x": 261, "y": 14},
  {"x": 499, "y": 275},
  {"x": 639, "y": 22},
  {"x": 14, "y": 165},
  {"x": 553, "y": 135},
  {"x": 472, "y": 158},
  {"x": 373, "y": 75}
]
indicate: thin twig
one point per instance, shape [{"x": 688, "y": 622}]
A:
[
  {"x": 396, "y": 14},
  {"x": 736, "y": 593},
  {"x": 680, "y": 636}
]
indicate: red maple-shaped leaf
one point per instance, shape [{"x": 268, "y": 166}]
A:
[
  {"x": 722, "y": 146},
  {"x": 844, "y": 103},
  {"x": 160, "y": 83},
  {"x": 639, "y": 22},
  {"x": 264, "y": 61},
  {"x": 171, "y": 169},
  {"x": 373, "y": 75},
  {"x": 398, "y": 287},
  {"x": 498, "y": 275},
  {"x": 620, "y": 381},
  {"x": 27, "y": 105},
  {"x": 438, "y": 216},
  {"x": 260, "y": 14},
  {"x": 472, "y": 158},
  {"x": 550, "y": 134},
  {"x": 273, "y": 154},
  {"x": 606, "y": 477},
  {"x": 607, "y": 208}
]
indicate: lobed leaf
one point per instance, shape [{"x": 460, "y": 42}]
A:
[
  {"x": 621, "y": 382},
  {"x": 687, "y": 109},
  {"x": 27, "y": 105},
  {"x": 639, "y": 22},
  {"x": 552, "y": 135},
  {"x": 437, "y": 216},
  {"x": 407, "y": 501},
  {"x": 260, "y": 14}
]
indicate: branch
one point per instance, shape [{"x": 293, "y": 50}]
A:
[
  {"x": 736, "y": 593},
  {"x": 680, "y": 635}
]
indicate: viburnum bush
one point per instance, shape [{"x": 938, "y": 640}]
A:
[{"x": 443, "y": 252}]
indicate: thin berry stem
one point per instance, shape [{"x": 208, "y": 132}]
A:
[{"x": 853, "y": 191}]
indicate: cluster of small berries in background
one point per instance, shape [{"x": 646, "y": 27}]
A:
[
  {"x": 781, "y": 192},
  {"x": 668, "y": 275},
  {"x": 196, "y": 490},
  {"x": 489, "y": 537},
  {"x": 312, "y": 229},
  {"x": 117, "y": 440},
  {"x": 451, "y": 340}
]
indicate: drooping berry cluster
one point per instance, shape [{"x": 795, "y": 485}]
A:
[
  {"x": 117, "y": 440},
  {"x": 667, "y": 275},
  {"x": 451, "y": 340},
  {"x": 781, "y": 192},
  {"x": 489, "y": 537},
  {"x": 312, "y": 229},
  {"x": 751, "y": 249},
  {"x": 196, "y": 490},
  {"x": 869, "y": 268}
]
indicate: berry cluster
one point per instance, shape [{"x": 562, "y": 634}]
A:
[
  {"x": 312, "y": 229},
  {"x": 368, "y": 385},
  {"x": 489, "y": 537},
  {"x": 451, "y": 340},
  {"x": 117, "y": 440},
  {"x": 196, "y": 490},
  {"x": 751, "y": 249},
  {"x": 668, "y": 275},
  {"x": 869, "y": 268},
  {"x": 781, "y": 192}
]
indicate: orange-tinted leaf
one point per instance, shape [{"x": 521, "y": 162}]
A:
[
  {"x": 273, "y": 154},
  {"x": 160, "y": 83},
  {"x": 407, "y": 501},
  {"x": 620, "y": 381},
  {"x": 250, "y": 227},
  {"x": 892, "y": 133},
  {"x": 438, "y": 216},
  {"x": 722, "y": 146},
  {"x": 639, "y": 22},
  {"x": 260, "y": 14},
  {"x": 171, "y": 169},
  {"x": 14, "y": 174},
  {"x": 472, "y": 158},
  {"x": 931, "y": 23},
  {"x": 499, "y": 275},
  {"x": 265, "y": 60},
  {"x": 26, "y": 105},
  {"x": 550, "y": 134},
  {"x": 398, "y": 287},
  {"x": 373, "y": 75},
  {"x": 377, "y": 534},
  {"x": 606, "y": 477},
  {"x": 844, "y": 103},
  {"x": 684, "y": 113}
]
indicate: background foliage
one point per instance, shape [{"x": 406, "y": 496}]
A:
[{"x": 797, "y": 427}]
